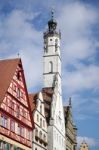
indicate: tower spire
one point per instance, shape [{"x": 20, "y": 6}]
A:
[
  {"x": 52, "y": 13},
  {"x": 52, "y": 56}
]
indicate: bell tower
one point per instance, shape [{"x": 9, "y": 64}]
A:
[{"x": 51, "y": 57}]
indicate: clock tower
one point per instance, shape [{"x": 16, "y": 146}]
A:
[
  {"x": 52, "y": 80},
  {"x": 52, "y": 58}
]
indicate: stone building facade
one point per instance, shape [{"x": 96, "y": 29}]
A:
[{"x": 71, "y": 130}]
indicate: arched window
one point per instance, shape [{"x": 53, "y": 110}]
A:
[
  {"x": 41, "y": 109},
  {"x": 37, "y": 117},
  {"x": 36, "y": 132},
  {"x": 44, "y": 137},
  {"x": 50, "y": 66},
  {"x": 41, "y": 122},
  {"x": 40, "y": 135}
]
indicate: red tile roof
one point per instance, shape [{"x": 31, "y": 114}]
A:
[{"x": 7, "y": 70}]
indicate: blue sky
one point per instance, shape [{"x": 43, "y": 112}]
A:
[{"x": 22, "y": 23}]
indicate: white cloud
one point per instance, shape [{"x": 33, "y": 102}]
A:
[
  {"x": 76, "y": 21},
  {"x": 83, "y": 107},
  {"x": 83, "y": 78},
  {"x": 19, "y": 35}
]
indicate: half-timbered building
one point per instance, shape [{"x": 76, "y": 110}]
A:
[{"x": 16, "y": 122}]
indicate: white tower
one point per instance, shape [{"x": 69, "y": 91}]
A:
[
  {"x": 52, "y": 58},
  {"x": 52, "y": 79}
]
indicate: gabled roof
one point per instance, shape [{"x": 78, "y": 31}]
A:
[{"x": 7, "y": 70}]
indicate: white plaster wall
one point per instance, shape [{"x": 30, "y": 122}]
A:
[
  {"x": 56, "y": 129},
  {"x": 43, "y": 129},
  {"x": 56, "y": 64},
  {"x": 48, "y": 76},
  {"x": 50, "y": 137},
  {"x": 50, "y": 45}
]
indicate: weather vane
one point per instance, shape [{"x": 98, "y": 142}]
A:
[{"x": 52, "y": 12}]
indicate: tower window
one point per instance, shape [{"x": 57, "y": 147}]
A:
[
  {"x": 50, "y": 66},
  {"x": 56, "y": 43}
]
